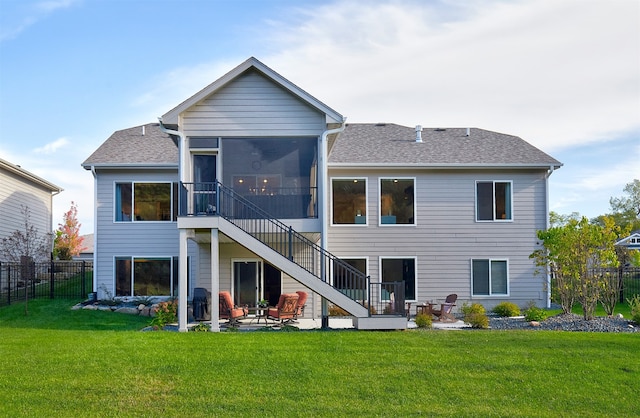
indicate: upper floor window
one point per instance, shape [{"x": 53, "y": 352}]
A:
[
  {"x": 396, "y": 201},
  {"x": 493, "y": 201},
  {"x": 136, "y": 202},
  {"x": 349, "y": 201},
  {"x": 489, "y": 277}
]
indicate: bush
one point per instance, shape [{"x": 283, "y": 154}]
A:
[
  {"x": 475, "y": 315},
  {"x": 335, "y": 310},
  {"x": 473, "y": 308},
  {"x": 166, "y": 313},
  {"x": 424, "y": 321},
  {"x": 634, "y": 304},
  {"x": 534, "y": 313},
  {"x": 506, "y": 309},
  {"x": 201, "y": 327},
  {"x": 477, "y": 320}
]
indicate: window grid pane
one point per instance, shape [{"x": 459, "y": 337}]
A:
[
  {"x": 349, "y": 201},
  {"x": 396, "y": 201}
]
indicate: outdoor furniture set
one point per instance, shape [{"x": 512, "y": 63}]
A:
[{"x": 289, "y": 308}]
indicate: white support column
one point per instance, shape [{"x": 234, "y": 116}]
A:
[
  {"x": 182, "y": 282},
  {"x": 215, "y": 281}
]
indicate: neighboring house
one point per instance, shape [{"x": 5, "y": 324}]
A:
[
  {"x": 87, "y": 249},
  {"x": 631, "y": 242},
  {"x": 19, "y": 188},
  {"x": 254, "y": 186}
]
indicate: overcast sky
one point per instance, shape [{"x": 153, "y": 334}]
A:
[{"x": 562, "y": 74}]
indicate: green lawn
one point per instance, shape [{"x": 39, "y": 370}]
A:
[{"x": 57, "y": 362}]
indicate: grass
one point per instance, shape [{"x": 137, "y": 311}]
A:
[{"x": 58, "y": 362}]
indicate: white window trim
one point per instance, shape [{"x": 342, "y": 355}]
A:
[
  {"x": 415, "y": 200},
  {"x": 415, "y": 271},
  {"x": 366, "y": 199},
  {"x": 133, "y": 183},
  {"x": 490, "y": 295},
  {"x": 475, "y": 207},
  {"x": 133, "y": 258}
]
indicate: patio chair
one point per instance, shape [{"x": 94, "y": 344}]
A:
[
  {"x": 444, "y": 313},
  {"x": 302, "y": 299},
  {"x": 286, "y": 308},
  {"x": 227, "y": 310}
]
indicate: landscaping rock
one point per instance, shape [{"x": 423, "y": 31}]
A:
[
  {"x": 146, "y": 311},
  {"x": 90, "y": 307},
  {"x": 127, "y": 310},
  {"x": 566, "y": 322},
  {"x": 534, "y": 323}
]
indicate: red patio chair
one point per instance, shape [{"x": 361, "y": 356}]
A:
[
  {"x": 302, "y": 299},
  {"x": 286, "y": 308},
  {"x": 227, "y": 310}
]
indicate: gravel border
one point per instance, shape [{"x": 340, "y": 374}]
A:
[{"x": 566, "y": 322}]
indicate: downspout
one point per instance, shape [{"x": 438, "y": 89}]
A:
[
  {"x": 95, "y": 230},
  {"x": 547, "y": 225},
  {"x": 183, "y": 256},
  {"x": 324, "y": 212}
]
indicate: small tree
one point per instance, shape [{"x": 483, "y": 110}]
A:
[
  {"x": 26, "y": 246},
  {"x": 572, "y": 253},
  {"x": 68, "y": 242}
]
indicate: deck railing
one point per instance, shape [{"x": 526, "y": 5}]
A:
[{"x": 214, "y": 199}]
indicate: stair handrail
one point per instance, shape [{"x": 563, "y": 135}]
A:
[{"x": 258, "y": 223}]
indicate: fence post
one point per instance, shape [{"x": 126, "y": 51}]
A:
[
  {"x": 83, "y": 286},
  {"x": 52, "y": 277}
]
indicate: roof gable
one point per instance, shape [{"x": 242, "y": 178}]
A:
[
  {"x": 28, "y": 176},
  {"x": 172, "y": 116}
]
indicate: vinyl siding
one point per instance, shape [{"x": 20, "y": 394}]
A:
[
  {"x": 15, "y": 192},
  {"x": 446, "y": 236},
  {"x": 158, "y": 239},
  {"x": 253, "y": 106}
]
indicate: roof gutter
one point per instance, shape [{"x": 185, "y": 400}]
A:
[{"x": 181, "y": 147}]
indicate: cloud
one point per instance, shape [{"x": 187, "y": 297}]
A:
[
  {"x": 16, "y": 21},
  {"x": 554, "y": 73},
  {"x": 52, "y": 147}
]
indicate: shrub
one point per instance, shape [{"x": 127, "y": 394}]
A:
[
  {"x": 166, "y": 313},
  {"x": 337, "y": 311},
  {"x": 534, "y": 313},
  {"x": 473, "y": 308},
  {"x": 475, "y": 315},
  {"x": 506, "y": 309},
  {"x": 424, "y": 321},
  {"x": 201, "y": 327},
  {"x": 477, "y": 320},
  {"x": 634, "y": 304}
]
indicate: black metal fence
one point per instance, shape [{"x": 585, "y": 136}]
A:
[
  {"x": 628, "y": 281},
  {"x": 53, "y": 280}
]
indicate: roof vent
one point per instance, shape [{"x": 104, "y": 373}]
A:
[
  {"x": 468, "y": 131},
  {"x": 439, "y": 129},
  {"x": 418, "y": 133},
  {"x": 143, "y": 129}
]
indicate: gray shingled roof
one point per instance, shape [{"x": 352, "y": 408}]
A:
[
  {"x": 131, "y": 147},
  {"x": 390, "y": 144}
]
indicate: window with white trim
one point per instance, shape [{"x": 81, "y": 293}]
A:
[
  {"x": 144, "y": 202},
  {"x": 493, "y": 201},
  {"x": 146, "y": 276},
  {"x": 397, "y": 201},
  {"x": 489, "y": 277},
  {"x": 400, "y": 270},
  {"x": 349, "y": 201}
]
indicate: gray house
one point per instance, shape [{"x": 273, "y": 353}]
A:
[
  {"x": 254, "y": 186},
  {"x": 20, "y": 188}
]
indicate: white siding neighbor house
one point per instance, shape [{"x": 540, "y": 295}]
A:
[
  {"x": 19, "y": 188},
  {"x": 255, "y": 187}
]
